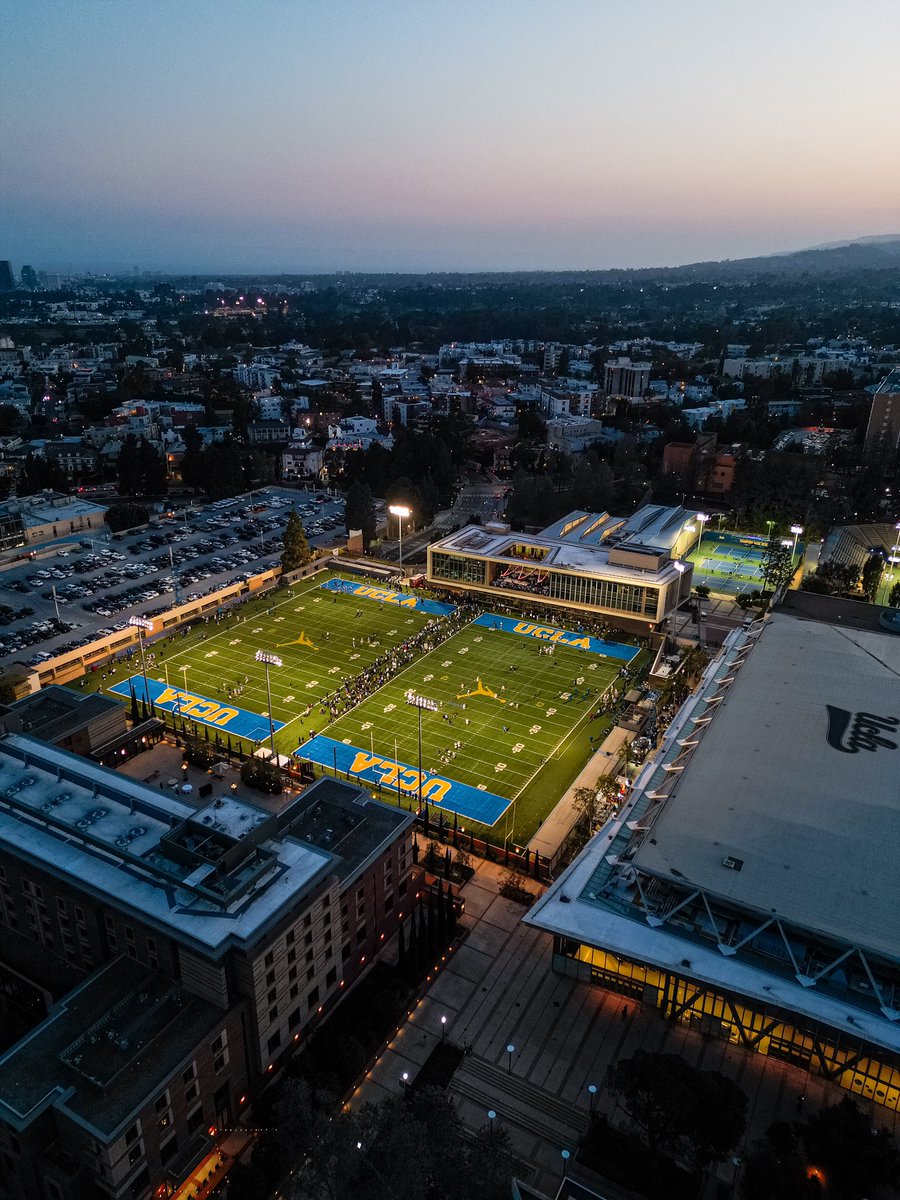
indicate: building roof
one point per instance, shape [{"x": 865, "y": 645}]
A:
[
  {"x": 782, "y": 784},
  {"x": 212, "y": 876},
  {"x": 581, "y": 541},
  {"x": 206, "y": 881},
  {"x": 104, "y": 1048},
  {"x": 779, "y": 813},
  {"x": 890, "y": 384},
  {"x": 55, "y": 711}
]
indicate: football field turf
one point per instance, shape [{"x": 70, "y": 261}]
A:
[
  {"x": 508, "y": 718},
  {"x": 526, "y": 722},
  {"x": 312, "y": 631}
]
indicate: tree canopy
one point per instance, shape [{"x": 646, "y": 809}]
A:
[
  {"x": 697, "y": 1115},
  {"x": 296, "y": 552}
]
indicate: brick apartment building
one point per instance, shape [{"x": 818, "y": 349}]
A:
[
  {"x": 162, "y": 960},
  {"x": 702, "y": 465}
]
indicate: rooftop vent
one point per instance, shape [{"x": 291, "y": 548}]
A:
[{"x": 733, "y": 864}]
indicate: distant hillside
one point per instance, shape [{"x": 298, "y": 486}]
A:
[{"x": 864, "y": 254}]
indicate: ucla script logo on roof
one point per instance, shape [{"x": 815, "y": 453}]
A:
[{"x": 851, "y": 732}]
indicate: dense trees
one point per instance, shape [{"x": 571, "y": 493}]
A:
[
  {"x": 412, "y": 1148},
  {"x": 836, "y": 1154},
  {"x": 778, "y": 488},
  {"x": 698, "y": 1116},
  {"x": 140, "y": 468},
  {"x": 127, "y": 515},
  {"x": 359, "y": 510}
]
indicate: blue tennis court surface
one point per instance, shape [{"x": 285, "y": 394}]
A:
[
  {"x": 371, "y": 591},
  {"x": 202, "y": 709},
  {"x": 549, "y": 634},
  {"x": 404, "y": 780}
]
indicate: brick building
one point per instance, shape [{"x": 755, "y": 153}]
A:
[{"x": 204, "y": 944}]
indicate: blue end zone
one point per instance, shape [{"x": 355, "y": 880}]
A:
[
  {"x": 445, "y": 794},
  {"x": 562, "y": 637},
  {"x": 223, "y": 717},
  {"x": 371, "y": 591}
]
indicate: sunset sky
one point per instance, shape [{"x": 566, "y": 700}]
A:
[{"x": 306, "y": 136}]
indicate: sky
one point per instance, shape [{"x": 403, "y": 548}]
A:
[{"x": 227, "y": 136}]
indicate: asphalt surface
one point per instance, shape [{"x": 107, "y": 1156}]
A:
[{"x": 101, "y": 581}]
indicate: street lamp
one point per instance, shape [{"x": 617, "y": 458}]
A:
[
  {"x": 400, "y": 511},
  {"x": 510, "y": 1051},
  {"x": 404, "y": 1079},
  {"x": 443, "y": 1030},
  {"x": 592, "y": 1092},
  {"x": 142, "y": 625},
  {"x": 796, "y": 530},
  {"x": 492, "y": 1117},
  {"x": 566, "y": 1155},
  {"x": 270, "y": 660}
]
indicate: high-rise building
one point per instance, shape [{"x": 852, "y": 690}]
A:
[
  {"x": 883, "y": 430},
  {"x": 7, "y": 279},
  {"x": 29, "y": 278},
  {"x": 624, "y": 378}
]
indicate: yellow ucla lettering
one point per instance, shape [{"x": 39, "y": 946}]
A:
[
  {"x": 388, "y": 772},
  {"x": 524, "y": 627},
  {"x": 205, "y": 709},
  {"x": 409, "y": 779},
  {"x": 582, "y": 643},
  {"x": 436, "y": 789},
  {"x": 223, "y": 716},
  {"x": 409, "y": 602},
  {"x": 363, "y": 761},
  {"x": 167, "y": 696}
]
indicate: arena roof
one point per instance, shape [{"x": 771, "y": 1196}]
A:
[{"x": 795, "y": 779}]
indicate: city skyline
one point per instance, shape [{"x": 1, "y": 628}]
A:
[{"x": 425, "y": 137}]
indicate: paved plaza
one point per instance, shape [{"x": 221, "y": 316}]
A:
[{"x": 498, "y": 990}]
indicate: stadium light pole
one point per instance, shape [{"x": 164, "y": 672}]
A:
[
  {"x": 420, "y": 702},
  {"x": 796, "y": 530},
  {"x": 269, "y": 660},
  {"x": 400, "y": 511},
  {"x": 702, "y": 518},
  {"x": 142, "y": 625}
]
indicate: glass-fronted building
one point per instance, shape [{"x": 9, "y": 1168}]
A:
[{"x": 624, "y": 570}]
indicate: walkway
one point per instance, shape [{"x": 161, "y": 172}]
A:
[{"x": 499, "y": 990}]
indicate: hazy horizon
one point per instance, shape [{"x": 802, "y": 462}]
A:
[{"x": 423, "y": 136}]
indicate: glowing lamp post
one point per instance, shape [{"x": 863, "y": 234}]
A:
[
  {"x": 510, "y": 1051},
  {"x": 269, "y": 660},
  {"x": 142, "y": 625},
  {"x": 796, "y": 530},
  {"x": 702, "y": 518},
  {"x": 400, "y": 511}
]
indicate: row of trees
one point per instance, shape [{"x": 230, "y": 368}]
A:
[{"x": 409, "y": 1148}]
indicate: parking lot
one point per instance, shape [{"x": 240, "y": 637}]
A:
[{"x": 88, "y": 587}]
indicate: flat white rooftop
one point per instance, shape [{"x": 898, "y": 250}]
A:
[
  {"x": 797, "y": 778},
  {"x": 107, "y": 834}
]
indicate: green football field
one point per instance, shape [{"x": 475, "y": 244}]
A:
[
  {"x": 312, "y": 631},
  {"x": 524, "y": 742}
]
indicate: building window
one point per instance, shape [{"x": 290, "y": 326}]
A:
[
  {"x": 274, "y": 1042},
  {"x": 270, "y": 958},
  {"x": 313, "y": 998},
  {"x": 189, "y": 1073},
  {"x": 331, "y": 977},
  {"x": 195, "y": 1119}
]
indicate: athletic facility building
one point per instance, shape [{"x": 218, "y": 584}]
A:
[
  {"x": 751, "y": 886},
  {"x": 626, "y": 570}
]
